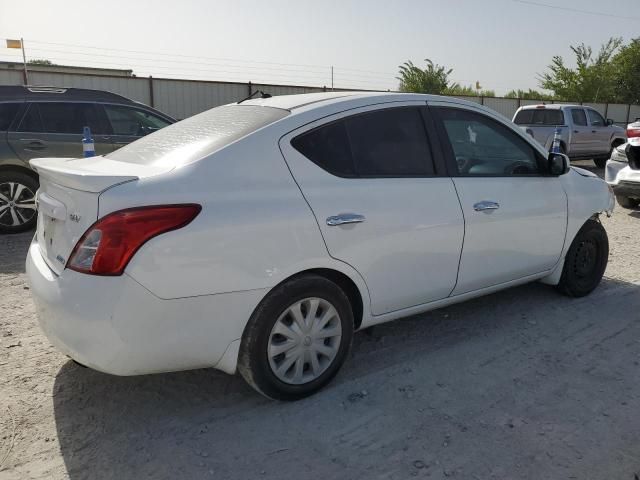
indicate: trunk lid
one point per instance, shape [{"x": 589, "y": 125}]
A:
[{"x": 68, "y": 199}]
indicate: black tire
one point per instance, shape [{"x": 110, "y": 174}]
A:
[
  {"x": 626, "y": 202},
  {"x": 23, "y": 187},
  {"x": 586, "y": 260},
  {"x": 253, "y": 362},
  {"x": 600, "y": 162}
]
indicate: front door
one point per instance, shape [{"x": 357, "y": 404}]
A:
[
  {"x": 581, "y": 138},
  {"x": 128, "y": 124},
  {"x": 55, "y": 129},
  {"x": 515, "y": 215},
  {"x": 369, "y": 179},
  {"x": 600, "y": 132}
]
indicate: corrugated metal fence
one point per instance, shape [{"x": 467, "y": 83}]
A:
[{"x": 183, "y": 98}]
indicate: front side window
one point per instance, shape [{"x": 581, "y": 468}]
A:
[
  {"x": 132, "y": 121},
  {"x": 57, "y": 117},
  {"x": 579, "y": 117},
  {"x": 595, "y": 118},
  {"x": 7, "y": 113},
  {"x": 484, "y": 147},
  {"x": 383, "y": 143}
]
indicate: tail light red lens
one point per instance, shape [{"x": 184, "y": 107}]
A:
[
  {"x": 633, "y": 132},
  {"x": 108, "y": 246}
]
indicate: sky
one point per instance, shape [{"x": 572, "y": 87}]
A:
[{"x": 503, "y": 44}]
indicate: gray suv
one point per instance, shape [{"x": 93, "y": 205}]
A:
[{"x": 48, "y": 122}]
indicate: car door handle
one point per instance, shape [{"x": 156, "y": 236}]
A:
[
  {"x": 345, "y": 218},
  {"x": 33, "y": 144},
  {"x": 576, "y": 131},
  {"x": 486, "y": 205},
  {"x": 593, "y": 131}
]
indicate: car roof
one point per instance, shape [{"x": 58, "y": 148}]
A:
[
  {"x": 309, "y": 101},
  {"x": 48, "y": 93},
  {"x": 552, "y": 106}
]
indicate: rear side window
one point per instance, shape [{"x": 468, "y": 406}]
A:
[
  {"x": 69, "y": 118},
  {"x": 578, "y": 116},
  {"x": 7, "y": 114},
  {"x": 384, "y": 143},
  {"x": 132, "y": 121},
  {"x": 539, "y": 116}
]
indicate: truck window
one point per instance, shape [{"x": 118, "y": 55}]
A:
[
  {"x": 539, "y": 116},
  {"x": 595, "y": 118},
  {"x": 579, "y": 117}
]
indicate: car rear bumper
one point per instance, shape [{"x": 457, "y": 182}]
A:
[
  {"x": 627, "y": 189},
  {"x": 116, "y": 326},
  {"x": 624, "y": 180}
]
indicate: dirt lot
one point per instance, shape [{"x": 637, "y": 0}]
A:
[{"x": 521, "y": 384}]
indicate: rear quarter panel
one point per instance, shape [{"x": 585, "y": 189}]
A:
[{"x": 254, "y": 231}]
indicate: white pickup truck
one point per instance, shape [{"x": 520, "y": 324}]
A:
[{"x": 584, "y": 133}]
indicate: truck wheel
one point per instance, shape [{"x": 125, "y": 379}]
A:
[
  {"x": 600, "y": 162},
  {"x": 297, "y": 338},
  {"x": 17, "y": 202},
  {"x": 626, "y": 202},
  {"x": 586, "y": 260}
]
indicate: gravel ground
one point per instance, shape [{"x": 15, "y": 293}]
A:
[{"x": 524, "y": 383}]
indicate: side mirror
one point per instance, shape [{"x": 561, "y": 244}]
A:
[
  {"x": 610, "y": 122},
  {"x": 558, "y": 164}
]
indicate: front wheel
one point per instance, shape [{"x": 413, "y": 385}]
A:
[
  {"x": 297, "y": 338},
  {"x": 17, "y": 202},
  {"x": 586, "y": 260}
]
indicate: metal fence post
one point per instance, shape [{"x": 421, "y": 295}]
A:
[
  {"x": 249, "y": 87},
  {"x": 628, "y": 113},
  {"x": 151, "y": 96}
]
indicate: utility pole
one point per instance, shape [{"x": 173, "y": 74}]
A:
[
  {"x": 20, "y": 44},
  {"x": 332, "y": 78}
]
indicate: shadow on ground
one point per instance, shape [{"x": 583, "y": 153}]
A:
[
  {"x": 524, "y": 383},
  {"x": 13, "y": 251}
]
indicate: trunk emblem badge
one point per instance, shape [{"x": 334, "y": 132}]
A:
[{"x": 75, "y": 217}]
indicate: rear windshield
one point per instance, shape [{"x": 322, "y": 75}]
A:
[
  {"x": 198, "y": 136},
  {"x": 539, "y": 116}
]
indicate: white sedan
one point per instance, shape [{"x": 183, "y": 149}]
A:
[{"x": 258, "y": 236}]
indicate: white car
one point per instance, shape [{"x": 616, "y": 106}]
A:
[
  {"x": 623, "y": 173},
  {"x": 259, "y": 236}
]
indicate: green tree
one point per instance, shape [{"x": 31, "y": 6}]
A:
[
  {"x": 528, "y": 95},
  {"x": 592, "y": 80},
  {"x": 40, "y": 61},
  {"x": 627, "y": 65},
  {"x": 433, "y": 79},
  {"x": 468, "y": 91}
]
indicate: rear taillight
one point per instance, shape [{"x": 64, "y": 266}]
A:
[
  {"x": 108, "y": 246},
  {"x": 633, "y": 132}
]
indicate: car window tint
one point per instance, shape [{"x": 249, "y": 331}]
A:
[
  {"x": 578, "y": 116},
  {"x": 483, "y": 146},
  {"x": 524, "y": 117},
  {"x": 132, "y": 121},
  {"x": 7, "y": 113},
  {"x": 595, "y": 118},
  {"x": 539, "y": 116},
  {"x": 328, "y": 147},
  {"x": 31, "y": 122},
  {"x": 390, "y": 142}
]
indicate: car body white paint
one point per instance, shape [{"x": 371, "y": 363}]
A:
[{"x": 186, "y": 296}]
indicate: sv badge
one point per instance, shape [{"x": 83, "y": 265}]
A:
[{"x": 75, "y": 217}]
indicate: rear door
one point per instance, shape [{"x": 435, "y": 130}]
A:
[
  {"x": 581, "y": 139},
  {"x": 55, "y": 129},
  {"x": 369, "y": 178},
  {"x": 128, "y": 124},
  {"x": 600, "y": 132},
  {"x": 515, "y": 215}
]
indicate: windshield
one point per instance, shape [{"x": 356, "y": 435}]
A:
[
  {"x": 198, "y": 136},
  {"x": 541, "y": 116}
]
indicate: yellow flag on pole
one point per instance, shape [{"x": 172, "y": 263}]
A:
[{"x": 14, "y": 43}]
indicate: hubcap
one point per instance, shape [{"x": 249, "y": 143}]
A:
[
  {"x": 17, "y": 204},
  {"x": 304, "y": 341}
]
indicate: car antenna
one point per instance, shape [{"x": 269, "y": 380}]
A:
[{"x": 262, "y": 95}]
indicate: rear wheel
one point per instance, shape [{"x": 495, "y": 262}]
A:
[
  {"x": 17, "y": 202},
  {"x": 297, "y": 339},
  {"x": 626, "y": 202},
  {"x": 586, "y": 260}
]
